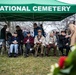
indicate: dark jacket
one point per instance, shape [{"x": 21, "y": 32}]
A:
[
  {"x": 3, "y": 33},
  {"x": 63, "y": 41},
  {"x": 43, "y": 33},
  {"x": 36, "y": 31},
  {"x": 31, "y": 40},
  {"x": 13, "y": 39},
  {"x": 20, "y": 34},
  {"x": 9, "y": 35}
]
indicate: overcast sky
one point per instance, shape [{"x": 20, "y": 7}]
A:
[{"x": 68, "y": 1}]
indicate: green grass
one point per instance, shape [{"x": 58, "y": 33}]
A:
[{"x": 26, "y": 66}]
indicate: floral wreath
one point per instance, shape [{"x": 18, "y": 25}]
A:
[{"x": 66, "y": 65}]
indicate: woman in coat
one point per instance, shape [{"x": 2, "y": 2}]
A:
[{"x": 72, "y": 28}]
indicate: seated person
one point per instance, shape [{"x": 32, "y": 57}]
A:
[
  {"x": 39, "y": 42},
  {"x": 51, "y": 43},
  {"x": 14, "y": 45},
  {"x": 64, "y": 43},
  {"x": 29, "y": 43}
]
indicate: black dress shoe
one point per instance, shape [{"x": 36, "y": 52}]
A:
[
  {"x": 15, "y": 55},
  {"x": 42, "y": 55},
  {"x": 26, "y": 55},
  {"x": 10, "y": 55}
]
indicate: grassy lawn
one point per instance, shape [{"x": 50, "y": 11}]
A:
[{"x": 26, "y": 66}]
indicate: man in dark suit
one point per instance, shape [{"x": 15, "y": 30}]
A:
[{"x": 64, "y": 43}]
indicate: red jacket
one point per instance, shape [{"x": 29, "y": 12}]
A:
[{"x": 31, "y": 40}]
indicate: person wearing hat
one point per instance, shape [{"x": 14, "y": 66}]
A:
[
  {"x": 29, "y": 43},
  {"x": 14, "y": 42},
  {"x": 39, "y": 42}
]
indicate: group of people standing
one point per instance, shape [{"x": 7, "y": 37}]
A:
[{"x": 40, "y": 42}]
